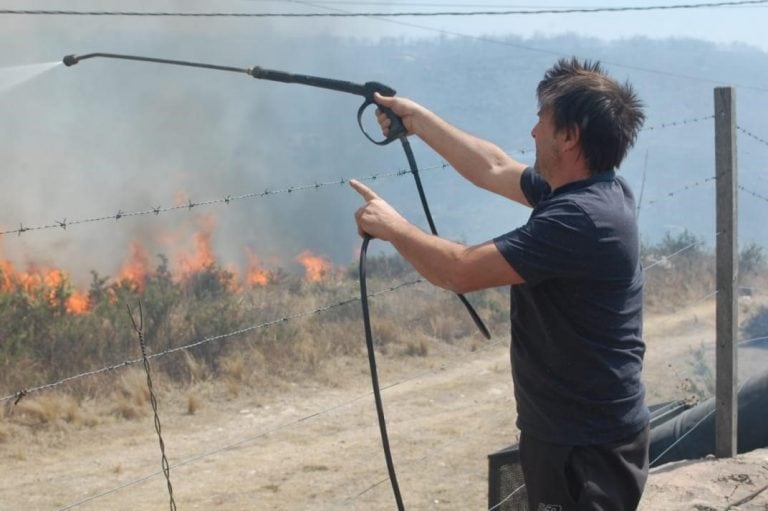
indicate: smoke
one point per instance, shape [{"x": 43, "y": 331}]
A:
[{"x": 109, "y": 136}]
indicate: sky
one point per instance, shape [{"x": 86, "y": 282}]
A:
[{"x": 726, "y": 25}]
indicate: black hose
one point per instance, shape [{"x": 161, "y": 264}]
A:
[
  {"x": 374, "y": 376},
  {"x": 415, "y": 171}
]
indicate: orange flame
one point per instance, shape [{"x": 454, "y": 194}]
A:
[
  {"x": 203, "y": 256},
  {"x": 256, "y": 275},
  {"x": 78, "y": 303},
  {"x": 316, "y": 268},
  {"x": 45, "y": 284},
  {"x": 135, "y": 270}
]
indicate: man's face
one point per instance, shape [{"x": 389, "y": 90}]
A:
[{"x": 548, "y": 155}]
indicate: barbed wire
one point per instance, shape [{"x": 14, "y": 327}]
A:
[
  {"x": 25, "y": 392},
  {"x": 665, "y": 258},
  {"x": 138, "y": 327},
  {"x": 753, "y": 193},
  {"x": 512, "y": 494},
  {"x": 674, "y": 124},
  {"x": 682, "y": 437},
  {"x": 753, "y": 339},
  {"x": 63, "y": 224},
  {"x": 275, "y": 429},
  {"x": 752, "y": 135},
  {"x": 226, "y": 200},
  {"x": 689, "y": 186},
  {"x": 511, "y": 12}
]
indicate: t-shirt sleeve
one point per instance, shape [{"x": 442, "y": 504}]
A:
[
  {"x": 557, "y": 242},
  {"x": 533, "y": 186}
]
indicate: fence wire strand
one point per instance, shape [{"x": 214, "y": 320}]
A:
[
  {"x": 226, "y": 200},
  {"x": 24, "y": 392},
  {"x": 120, "y": 214},
  {"x": 754, "y": 193},
  {"x": 347, "y": 14},
  {"x": 752, "y": 135},
  {"x": 275, "y": 429}
]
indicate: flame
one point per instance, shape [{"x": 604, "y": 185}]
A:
[
  {"x": 43, "y": 284},
  {"x": 316, "y": 268},
  {"x": 203, "y": 257},
  {"x": 6, "y": 272},
  {"x": 135, "y": 270},
  {"x": 256, "y": 275},
  {"x": 78, "y": 303}
]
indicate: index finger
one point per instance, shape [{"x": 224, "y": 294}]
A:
[{"x": 363, "y": 190}]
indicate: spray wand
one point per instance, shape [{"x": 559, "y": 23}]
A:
[
  {"x": 396, "y": 131},
  {"x": 366, "y": 90}
]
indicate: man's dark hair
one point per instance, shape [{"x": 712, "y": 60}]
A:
[{"x": 607, "y": 114}]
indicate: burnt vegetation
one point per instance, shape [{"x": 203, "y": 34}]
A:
[{"x": 42, "y": 340}]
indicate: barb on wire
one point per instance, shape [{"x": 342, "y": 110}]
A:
[
  {"x": 139, "y": 328},
  {"x": 753, "y": 193},
  {"x": 752, "y": 135},
  {"x": 689, "y": 186},
  {"x": 19, "y": 396},
  {"x": 224, "y": 200},
  {"x": 207, "y": 340},
  {"x": 678, "y": 123},
  {"x": 581, "y": 10}
]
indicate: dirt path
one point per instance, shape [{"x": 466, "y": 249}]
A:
[
  {"x": 448, "y": 413},
  {"x": 317, "y": 446}
]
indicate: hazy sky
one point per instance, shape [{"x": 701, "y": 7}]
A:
[{"x": 734, "y": 24}]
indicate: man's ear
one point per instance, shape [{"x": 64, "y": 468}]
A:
[{"x": 571, "y": 136}]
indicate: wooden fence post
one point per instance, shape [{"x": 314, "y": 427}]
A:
[{"x": 727, "y": 325}]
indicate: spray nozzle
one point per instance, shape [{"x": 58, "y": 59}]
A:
[{"x": 70, "y": 60}]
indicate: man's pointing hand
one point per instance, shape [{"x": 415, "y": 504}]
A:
[{"x": 376, "y": 217}]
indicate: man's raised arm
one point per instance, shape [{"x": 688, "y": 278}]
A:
[{"x": 482, "y": 163}]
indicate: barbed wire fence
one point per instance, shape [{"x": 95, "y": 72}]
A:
[{"x": 63, "y": 224}]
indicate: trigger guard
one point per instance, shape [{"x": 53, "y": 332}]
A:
[{"x": 360, "y": 111}]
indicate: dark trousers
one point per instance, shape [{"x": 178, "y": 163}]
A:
[{"x": 607, "y": 477}]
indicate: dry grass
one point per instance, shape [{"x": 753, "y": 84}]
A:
[
  {"x": 193, "y": 404},
  {"x": 5, "y": 430},
  {"x": 417, "y": 347},
  {"x": 413, "y": 322},
  {"x": 131, "y": 399},
  {"x": 48, "y": 409},
  {"x": 196, "y": 371}
]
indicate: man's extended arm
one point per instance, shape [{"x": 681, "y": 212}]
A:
[
  {"x": 444, "y": 263},
  {"x": 482, "y": 163}
]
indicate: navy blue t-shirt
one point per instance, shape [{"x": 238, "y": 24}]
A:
[{"x": 577, "y": 347}]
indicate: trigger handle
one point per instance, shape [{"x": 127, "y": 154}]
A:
[{"x": 396, "y": 127}]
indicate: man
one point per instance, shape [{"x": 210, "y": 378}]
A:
[{"x": 575, "y": 276}]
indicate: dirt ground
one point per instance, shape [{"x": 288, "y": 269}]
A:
[{"x": 316, "y": 446}]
